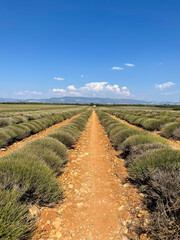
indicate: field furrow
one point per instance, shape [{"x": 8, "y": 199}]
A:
[{"x": 98, "y": 203}]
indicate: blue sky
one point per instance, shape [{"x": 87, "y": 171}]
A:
[{"x": 112, "y": 48}]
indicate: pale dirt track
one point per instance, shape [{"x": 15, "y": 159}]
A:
[
  {"x": 40, "y": 134},
  {"x": 98, "y": 204},
  {"x": 173, "y": 143}
]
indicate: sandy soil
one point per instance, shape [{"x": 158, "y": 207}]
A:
[
  {"x": 98, "y": 203},
  {"x": 16, "y": 145},
  {"x": 173, "y": 143}
]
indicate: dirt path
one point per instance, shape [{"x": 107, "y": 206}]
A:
[
  {"x": 98, "y": 203},
  {"x": 173, "y": 143},
  {"x": 43, "y": 133}
]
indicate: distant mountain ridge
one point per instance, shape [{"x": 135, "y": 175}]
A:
[{"x": 86, "y": 100}]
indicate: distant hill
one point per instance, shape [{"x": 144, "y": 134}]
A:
[
  {"x": 86, "y": 100},
  {"x": 80, "y": 100}
]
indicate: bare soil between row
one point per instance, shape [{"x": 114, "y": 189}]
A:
[{"x": 98, "y": 202}]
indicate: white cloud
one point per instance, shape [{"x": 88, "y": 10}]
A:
[
  {"x": 28, "y": 92},
  {"x": 162, "y": 86},
  {"x": 124, "y": 88},
  {"x": 94, "y": 86},
  {"x": 114, "y": 88},
  {"x": 58, "y": 90},
  {"x": 71, "y": 87},
  {"x": 117, "y": 68},
  {"x": 117, "y": 90},
  {"x": 82, "y": 75},
  {"x": 94, "y": 89},
  {"x": 129, "y": 64},
  {"x": 58, "y": 78},
  {"x": 103, "y": 89},
  {"x": 126, "y": 92}
]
